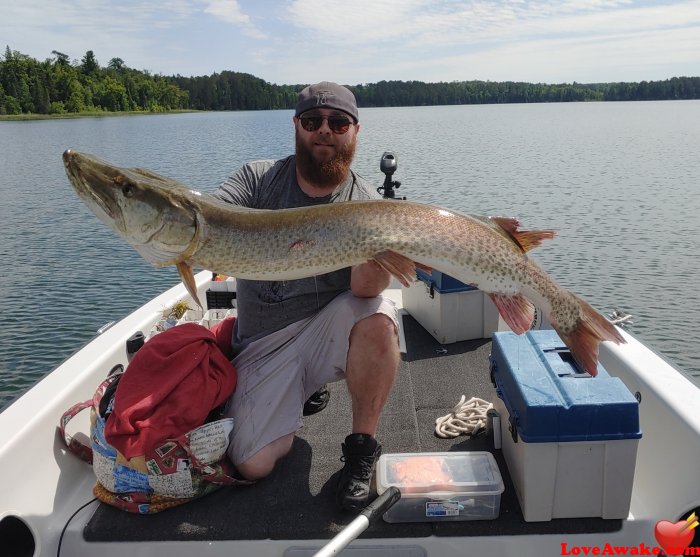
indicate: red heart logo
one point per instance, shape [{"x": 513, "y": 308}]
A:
[{"x": 673, "y": 537}]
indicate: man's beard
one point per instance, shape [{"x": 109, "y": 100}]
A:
[{"x": 327, "y": 173}]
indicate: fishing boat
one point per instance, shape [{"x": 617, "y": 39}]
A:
[{"x": 47, "y": 505}]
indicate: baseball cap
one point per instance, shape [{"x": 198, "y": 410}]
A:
[{"x": 327, "y": 95}]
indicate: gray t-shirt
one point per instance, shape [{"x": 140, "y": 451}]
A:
[{"x": 267, "y": 306}]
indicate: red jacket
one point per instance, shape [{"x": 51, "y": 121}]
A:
[{"x": 169, "y": 388}]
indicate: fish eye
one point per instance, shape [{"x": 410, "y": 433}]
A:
[{"x": 127, "y": 187}]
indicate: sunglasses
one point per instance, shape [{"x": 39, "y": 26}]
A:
[{"x": 337, "y": 124}]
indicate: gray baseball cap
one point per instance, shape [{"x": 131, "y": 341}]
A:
[{"x": 327, "y": 95}]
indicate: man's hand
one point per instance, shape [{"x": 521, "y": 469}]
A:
[{"x": 368, "y": 280}]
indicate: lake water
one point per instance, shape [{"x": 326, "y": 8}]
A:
[{"x": 618, "y": 181}]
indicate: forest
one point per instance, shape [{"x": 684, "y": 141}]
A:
[{"x": 59, "y": 86}]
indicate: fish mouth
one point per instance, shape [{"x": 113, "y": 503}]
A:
[{"x": 95, "y": 185}]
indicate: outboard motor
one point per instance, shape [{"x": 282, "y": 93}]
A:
[{"x": 388, "y": 165}]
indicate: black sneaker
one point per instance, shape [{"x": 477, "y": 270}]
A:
[
  {"x": 317, "y": 401},
  {"x": 360, "y": 453}
]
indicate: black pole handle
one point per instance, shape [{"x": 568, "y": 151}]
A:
[{"x": 382, "y": 503}]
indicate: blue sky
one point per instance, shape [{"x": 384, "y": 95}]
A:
[{"x": 364, "y": 41}]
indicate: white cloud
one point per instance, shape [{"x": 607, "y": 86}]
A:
[
  {"x": 124, "y": 29},
  {"x": 360, "y": 41},
  {"x": 622, "y": 57},
  {"x": 355, "y": 22},
  {"x": 424, "y": 23},
  {"x": 227, "y": 10},
  {"x": 536, "y": 40},
  {"x": 230, "y": 11}
]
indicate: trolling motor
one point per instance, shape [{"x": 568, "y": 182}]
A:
[{"x": 388, "y": 165}]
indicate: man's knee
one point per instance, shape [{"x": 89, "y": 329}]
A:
[
  {"x": 255, "y": 469},
  {"x": 261, "y": 464},
  {"x": 378, "y": 330},
  {"x": 377, "y": 324}
]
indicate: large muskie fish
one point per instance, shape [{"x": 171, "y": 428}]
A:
[{"x": 170, "y": 224}]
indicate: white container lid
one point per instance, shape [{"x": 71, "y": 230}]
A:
[{"x": 458, "y": 472}]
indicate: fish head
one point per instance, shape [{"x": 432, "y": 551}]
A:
[{"x": 154, "y": 214}]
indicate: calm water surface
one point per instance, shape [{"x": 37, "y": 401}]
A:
[{"x": 618, "y": 181}]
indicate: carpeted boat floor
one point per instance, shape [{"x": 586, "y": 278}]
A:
[{"x": 297, "y": 501}]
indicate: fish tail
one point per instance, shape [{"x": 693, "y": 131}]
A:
[{"x": 590, "y": 330}]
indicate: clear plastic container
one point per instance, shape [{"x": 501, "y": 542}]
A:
[{"x": 437, "y": 487}]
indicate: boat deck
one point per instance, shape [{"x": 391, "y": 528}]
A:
[{"x": 297, "y": 501}]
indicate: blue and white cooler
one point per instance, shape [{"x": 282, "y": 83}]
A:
[
  {"x": 569, "y": 439},
  {"x": 450, "y": 310}
]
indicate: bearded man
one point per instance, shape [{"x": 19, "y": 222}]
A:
[{"x": 292, "y": 337}]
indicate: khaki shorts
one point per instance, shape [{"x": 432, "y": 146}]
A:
[{"x": 279, "y": 372}]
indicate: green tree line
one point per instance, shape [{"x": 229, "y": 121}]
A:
[
  {"x": 416, "y": 93},
  {"x": 235, "y": 91},
  {"x": 59, "y": 86}
]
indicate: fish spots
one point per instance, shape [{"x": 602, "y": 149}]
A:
[{"x": 566, "y": 312}]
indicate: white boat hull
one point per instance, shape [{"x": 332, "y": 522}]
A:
[{"x": 43, "y": 484}]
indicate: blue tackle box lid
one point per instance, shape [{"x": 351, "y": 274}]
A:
[
  {"x": 549, "y": 399},
  {"x": 441, "y": 282}
]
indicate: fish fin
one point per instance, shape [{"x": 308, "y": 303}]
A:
[
  {"x": 402, "y": 267},
  {"x": 187, "y": 277},
  {"x": 591, "y": 329},
  {"x": 526, "y": 239},
  {"x": 516, "y": 310}
]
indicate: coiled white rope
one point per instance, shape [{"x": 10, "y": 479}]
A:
[{"x": 467, "y": 417}]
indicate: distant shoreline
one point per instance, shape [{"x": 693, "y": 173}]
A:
[
  {"x": 107, "y": 114},
  {"x": 57, "y": 88},
  {"x": 91, "y": 114}
]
